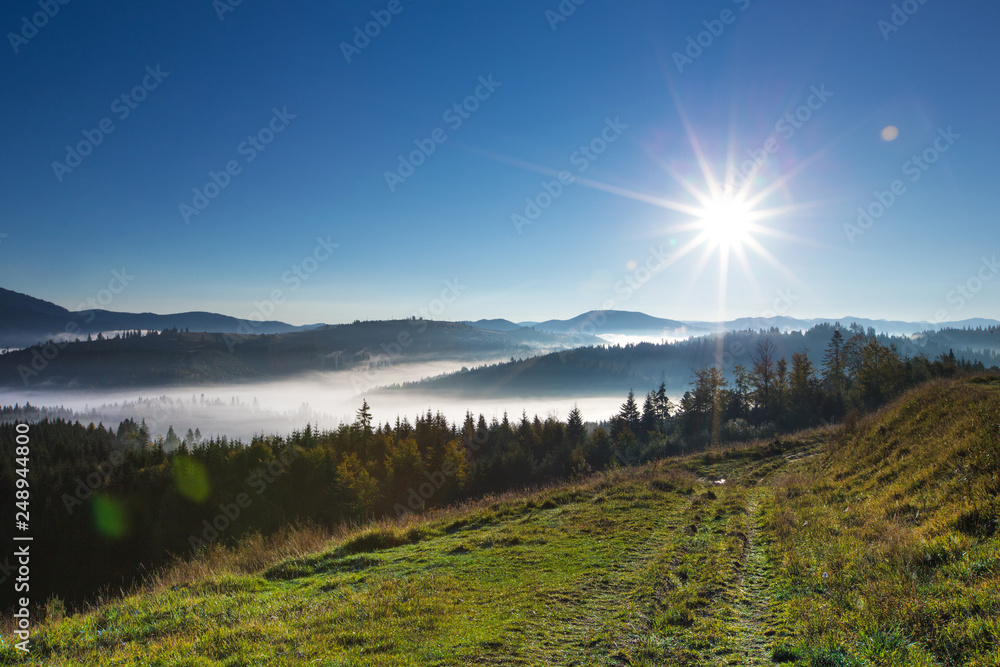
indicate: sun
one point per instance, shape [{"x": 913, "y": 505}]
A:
[
  {"x": 726, "y": 223},
  {"x": 727, "y": 219}
]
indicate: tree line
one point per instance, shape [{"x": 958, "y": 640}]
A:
[{"x": 110, "y": 503}]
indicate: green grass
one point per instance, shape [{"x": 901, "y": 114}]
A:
[{"x": 876, "y": 547}]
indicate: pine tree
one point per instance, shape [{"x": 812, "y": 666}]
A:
[
  {"x": 741, "y": 391},
  {"x": 833, "y": 365},
  {"x": 576, "y": 432},
  {"x": 763, "y": 377},
  {"x": 629, "y": 413},
  {"x": 663, "y": 407},
  {"x": 650, "y": 421},
  {"x": 780, "y": 387},
  {"x": 803, "y": 390},
  {"x": 364, "y": 420}
]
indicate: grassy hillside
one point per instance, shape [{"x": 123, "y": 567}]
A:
[{"x": 871, "y": 545}]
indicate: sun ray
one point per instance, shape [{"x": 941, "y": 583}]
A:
[
  {"x": 596, "y": 185},
  {"x": 726, "y": 220},
  {"x": 723, "y": 280},
  {"x": 638, "y": 196},
  {"x": 689, "y": 187},
  {"x": 783, "y": 180},
  {"x": 744, "y": 262},
  {"x": 772, "y": 260},
  {"x": 713, "y": 185}
]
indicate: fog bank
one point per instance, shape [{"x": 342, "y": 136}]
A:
[{"x": 324, "y": 400}]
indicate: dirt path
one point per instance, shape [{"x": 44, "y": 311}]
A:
[{"x": 750, "y": 605}]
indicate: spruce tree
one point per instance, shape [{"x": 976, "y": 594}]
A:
[{"x": 833, "y": 365}]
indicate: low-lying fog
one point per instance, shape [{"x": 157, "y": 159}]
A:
[{"x": 324, "y": 400}]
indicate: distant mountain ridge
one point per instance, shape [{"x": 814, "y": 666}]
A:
[
  {"x": 494, "y": 325},
  {"x": 640, "y": 324},
  {"x": 26, "y": 321},
  {"x": 617, "y": 322}
]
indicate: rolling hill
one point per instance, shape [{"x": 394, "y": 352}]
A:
[
  {"x": 621, "y": 322},
  {"x": 495, "y": 325},
  {"x": 655, "y": 329},
  {"x": 867, "y": 545},
  {"x": 25, "y": 320},
  {"x": 596, "y": 371},
  {"x": 172, "y": 357}
]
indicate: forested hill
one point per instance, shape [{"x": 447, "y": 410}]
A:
[
  {"x": 602, "y": 370},
  {"x": 25, "y": 320},
  {"x": 180, "y": 357}
]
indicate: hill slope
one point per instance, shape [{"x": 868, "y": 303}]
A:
[
  {"x": 25, "y": 320},
  {"x": 173, "y": 358},
  {"x": 642, "y": 366},
  {"x": 623, "y": 322},
  {"x": 876, "y": 546}
]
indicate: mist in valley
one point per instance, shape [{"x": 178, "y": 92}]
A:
[{"x": 324, "y": 400}]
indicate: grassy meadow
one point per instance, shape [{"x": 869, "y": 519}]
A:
[{"x": 870, "y": 543}]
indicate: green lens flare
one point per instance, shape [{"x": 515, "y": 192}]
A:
[
  {"x": 191, "y": 479},
  {"x": 109, "y": 517}
]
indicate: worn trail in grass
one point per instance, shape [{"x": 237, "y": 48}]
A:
[
  {"x": 751, "y": 604},
  {"x": 869, "y": 548},
  {"x": 555, "y": 579}
]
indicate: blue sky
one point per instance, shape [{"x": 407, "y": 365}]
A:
[{"x": 554, "y": 86}]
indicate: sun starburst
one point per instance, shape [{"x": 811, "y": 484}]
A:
[{"x": 727, "y": 216}]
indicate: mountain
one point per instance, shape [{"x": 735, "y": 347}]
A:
[
  {"x": 179, "y": 357},
  {"x": 494, "y": 325},
  {"x": 617, "y": 325},
  {"x": 25, "y": 320},
  {"x": 619, "y": 322}
]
